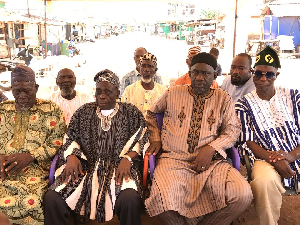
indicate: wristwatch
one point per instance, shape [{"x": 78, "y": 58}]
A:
[{"x": 128, "y": 157}]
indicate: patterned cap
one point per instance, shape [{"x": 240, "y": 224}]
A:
[
  {"x": 22, "y": 73},
  {"x": 268, "y": 57},
  {"x": 149, "y": 56},
  {"x": 193, "y": 51},
  {"x": 109, "y": 76}
]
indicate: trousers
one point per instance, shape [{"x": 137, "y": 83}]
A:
[{"x": 128, "y": 208}]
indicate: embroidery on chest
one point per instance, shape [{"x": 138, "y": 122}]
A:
[
  {"x": 181, "y": 116},
  {"x": 211, "y": 119}
]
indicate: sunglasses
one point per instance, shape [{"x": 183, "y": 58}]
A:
[{"x": 268, "y": 75}]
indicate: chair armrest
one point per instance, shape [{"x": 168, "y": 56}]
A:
[
  {"x": 233, "y": 154},
  {"x": 52, "y": 170}
]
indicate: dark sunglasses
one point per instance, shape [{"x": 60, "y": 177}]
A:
[{"x": 268, "y": 75}]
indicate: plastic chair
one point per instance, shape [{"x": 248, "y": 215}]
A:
[{"x": 232, "y": 154}]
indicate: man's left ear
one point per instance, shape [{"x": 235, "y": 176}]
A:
[
  {"x": 215, "y": 74},
  {"x": 156, "y": 69},
  {"x": 37, "y": 87},
  {"x": 277, "y": 74}
]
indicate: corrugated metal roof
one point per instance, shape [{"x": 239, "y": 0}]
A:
[{"x": 285, "y": 8}]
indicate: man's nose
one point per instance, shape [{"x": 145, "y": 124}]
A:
[
  {"x": 200, "y": 76},
  {"x": 22, "y": 95},
  {"x": 263, "y": 77}
]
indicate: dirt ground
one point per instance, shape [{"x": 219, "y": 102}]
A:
[{"x": 289, "y": 213}]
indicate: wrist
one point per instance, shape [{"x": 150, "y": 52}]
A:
[{"x": 128, "y": 158}]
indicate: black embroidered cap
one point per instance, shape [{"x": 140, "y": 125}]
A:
[
  {"x": 204, "y": 57},
  {"x": 268, "y": 57}
]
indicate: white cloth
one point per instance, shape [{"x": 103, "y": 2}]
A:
[
  {"x": 237, "y": 92},
  {"x": 70, "y": 106}
]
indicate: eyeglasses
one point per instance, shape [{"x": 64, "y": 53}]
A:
[{"x": 268, "y": 75}]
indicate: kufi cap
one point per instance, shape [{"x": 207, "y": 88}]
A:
[
  {"x": 149, "y": 56},
  {"x": 22, "y": 73},
  {"x": 204, "y": 57},
  {"x": 268, "y": 57},
  {"x": 109, "y": 76}
]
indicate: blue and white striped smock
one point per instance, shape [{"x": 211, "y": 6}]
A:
[{"x": 274, "y": 125}]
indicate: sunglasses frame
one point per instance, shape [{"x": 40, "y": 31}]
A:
[{"x": 268, "y": 75}]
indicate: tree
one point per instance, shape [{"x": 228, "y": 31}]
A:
[{"x": 208, "y": 14}]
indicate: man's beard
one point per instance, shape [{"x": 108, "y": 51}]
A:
[
  {"x": 236, "y": 82},
  {"x": 147, "y": 81},
  {"x": 67, "y": 92}
]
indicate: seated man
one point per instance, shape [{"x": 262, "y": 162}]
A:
[
  {"x": 240, "y": 82},
  {"x": 271, "y": 135},
  {"x": 215, "y": 53},
  {"x": 193, "y": 181},
  {"x": 31, "y": 131},
  {"x": 68, "y": 99},
  {"x": 185, "y": 79},
  {"x": 99, "y": 174},
  {"x": 145, "y": 92},
  {"x": 135, "y": 75}
]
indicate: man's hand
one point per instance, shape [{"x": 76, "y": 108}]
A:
[
  {"x": 154, "y": 148},
  {"x": 281, "y": 155},
  {"x": 283, "y": 168},
  {"x": 73, "y": 168},
  {"x": 203, "y": 159},
  {"x": 16, "y": 162},
  {"x": 123, "y": 171},
  {"x": 3, "y": 159}
]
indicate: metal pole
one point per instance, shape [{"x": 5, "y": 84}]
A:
[
  {"x": 45, "y": 25},
  {"x": 235, "y": 20}
]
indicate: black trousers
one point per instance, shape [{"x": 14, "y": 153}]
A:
[{"x": 128, "y": 208}]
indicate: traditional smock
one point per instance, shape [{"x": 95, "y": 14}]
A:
[
  {"x": 274, "y": 125},
  {"x": 190, "y": 123},
  {"x": 38, "y": 131},
  {"x": 141, "y": 98},
  {"x": 99, "y": 138}
]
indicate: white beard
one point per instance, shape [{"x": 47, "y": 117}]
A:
[{"x": 147, "y": 81}]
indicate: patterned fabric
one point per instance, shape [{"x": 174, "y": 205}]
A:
[
  {"x": 2, "y": 97},
  {"x": 21, "y": 196},
  {"x": 141, "y": 98},
  {"x": 185, "y": 79},
  {"x": 95, "y": 193},
  {"x": 109, "y": 76},
  {"x": 70, "y": 106},
  {"x": 22, "y": 72},
  {"x": 273, "y": 125},
  {"x": 133, "y": 77},
  {"x": 149, "y": 56},
  {"x": 237, "y": 92},
  {"x": 181, "y": 142}
]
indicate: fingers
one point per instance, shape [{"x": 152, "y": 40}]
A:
[
  {"x": 10, "y": 160},
  {"x": 119, "y": 178},
  {"x": 150, "y": 150},
  {"x": 80, "y": 169},
  {"x": 10, "y": 167}
]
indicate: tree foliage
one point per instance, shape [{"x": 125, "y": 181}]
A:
[{"x": 208, "y": 13}]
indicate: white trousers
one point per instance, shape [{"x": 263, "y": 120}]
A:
[{"x": 267, "y": 190}]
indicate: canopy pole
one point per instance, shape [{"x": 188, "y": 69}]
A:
[
  {"x": 235, "y": 20},
  {"x": 45, "y": 25}
]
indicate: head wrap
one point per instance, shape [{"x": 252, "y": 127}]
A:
[
  {"x": 22, "y": 73},
  {"x": 204, "y": 57},
  {"x": 193, "y": 51},
  {"x": 268, "y": 57},
  {"x": 109, "y": 76},
  {"x": 149, "y": 56}
]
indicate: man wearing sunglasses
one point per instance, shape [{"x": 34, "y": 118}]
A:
[
  {"x": 270, "y": 136},
  {"x": 239, "y": 82}
]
